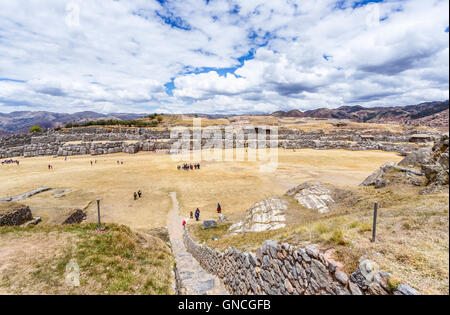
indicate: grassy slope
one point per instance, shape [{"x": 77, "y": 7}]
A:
[
  {"x": 412, "y": 235},
  {"x": 116, "y": 261}
]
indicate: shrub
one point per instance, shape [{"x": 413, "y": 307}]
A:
[{"x": 35, "y": 128}]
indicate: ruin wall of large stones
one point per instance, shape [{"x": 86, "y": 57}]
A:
[
  {"x": 95, "y": 141},
  {"x": 283, "y": 270}
]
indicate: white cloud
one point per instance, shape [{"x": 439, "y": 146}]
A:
[{"x": 307, "y": 54}]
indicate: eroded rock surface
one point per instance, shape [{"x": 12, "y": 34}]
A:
[
  {"x": 313, "y": 195},
  {"x": 429, "y": 168},
  {"x": 25, "y": 195},
  {"x": 265, "y": 215}
]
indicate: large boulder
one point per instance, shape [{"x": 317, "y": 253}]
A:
[
  {"x": 12, "y": 214},
  {"x": 265, "y": 215},
  {"x": 25, "y": 195},
  {"x": 210, "y": 223},
  {"x": 316, "y": 196},
  {"x": 378, "y": 175},
  {"x": 313, "y": 195},
  {"x": 416, "y": 158},
  {"x": 390, "y": 172},
  {"x": 437, "y": 169}
]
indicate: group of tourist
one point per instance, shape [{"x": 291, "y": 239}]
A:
[
  {"x": 137, "y": 194},
  {"x": 10, "y": 161},
  {"x": 93, "y": 162},
  {"x": 50, "y": 167},
  {"x": 189, "y": 166},
  {"x": 197, "y": 212},
  {"x": 119, "y": 162}
]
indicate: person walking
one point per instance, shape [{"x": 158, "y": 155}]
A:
[
  {"x": 135, "y": 196},
  {"x": 197, "y": 214},
  {"x": 184, "y": 223},
  {"x": 219, "y": 208},
  {"x": 139, "y": 193},
  {"x": 191, "y": 215}
]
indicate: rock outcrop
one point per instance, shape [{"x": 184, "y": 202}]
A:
[
  {"x": 437, "y": 169},
  {"x": 416, "y": 158},
  {"x": 25, "y": 195},
  {"x": 430, "y": 168},
  {"x": 210, "y": 223},
  {"x": 390, "y": 172},
  {"x": 315, "y": 196},
  {"x": 12, "y": 214},
  {"x": 265, "y": 215}
]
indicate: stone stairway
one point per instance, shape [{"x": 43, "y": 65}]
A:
[{"x": 194, "y": 279}]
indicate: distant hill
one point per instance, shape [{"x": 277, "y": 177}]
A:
[
  {"x": 431, "y": 113},
  {"x": 19, "y": 122},
  {"x": 434, "y": 114}
]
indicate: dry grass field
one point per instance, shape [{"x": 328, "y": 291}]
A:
[
  {"x": 116, "y": 261},
  {"x": 236, "y": 185},
  {"x": 412, "y": 234},
  {"x": 413, "y": 229}
]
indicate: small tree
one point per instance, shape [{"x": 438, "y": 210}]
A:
[
  {"x": 35, "y": 128},
  {"x": 159, "y": 119}
]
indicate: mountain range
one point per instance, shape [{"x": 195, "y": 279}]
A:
[
  {"x": 433, "y": 114},
  {"x": 21, "y": 121}
]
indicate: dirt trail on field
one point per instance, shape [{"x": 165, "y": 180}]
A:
[{"x": 194, "y": 279}]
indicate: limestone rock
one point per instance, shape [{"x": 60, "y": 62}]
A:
[
  {"x": 378, "y": 175},
  {"x": 316, "y": 196},
  {"x": 35, "y": 221},
  {"x": 404, "y": 289},
  {"x": 210, "y": 223},
  {"x": 265, "y": 215},
  {"x": 25, "y": 195},
  {"x": 416, "y": 158}
]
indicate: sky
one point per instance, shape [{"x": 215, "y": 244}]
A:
[{"x": 221, "y": 56}]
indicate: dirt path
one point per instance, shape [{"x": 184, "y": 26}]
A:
[{"x": 194, "y": 279}]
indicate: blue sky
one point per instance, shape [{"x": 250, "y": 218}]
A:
[{"x": 220, "y": 56}]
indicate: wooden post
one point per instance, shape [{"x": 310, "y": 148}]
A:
[
  {"x": 98, "y": 213},
  {"x": 374, "y": 229}
]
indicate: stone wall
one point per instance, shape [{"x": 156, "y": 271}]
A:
[
  {"x": 15, "y": 215},
  {"x": 96, "y": 141},
  {"x": 283, "y": 270}
]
